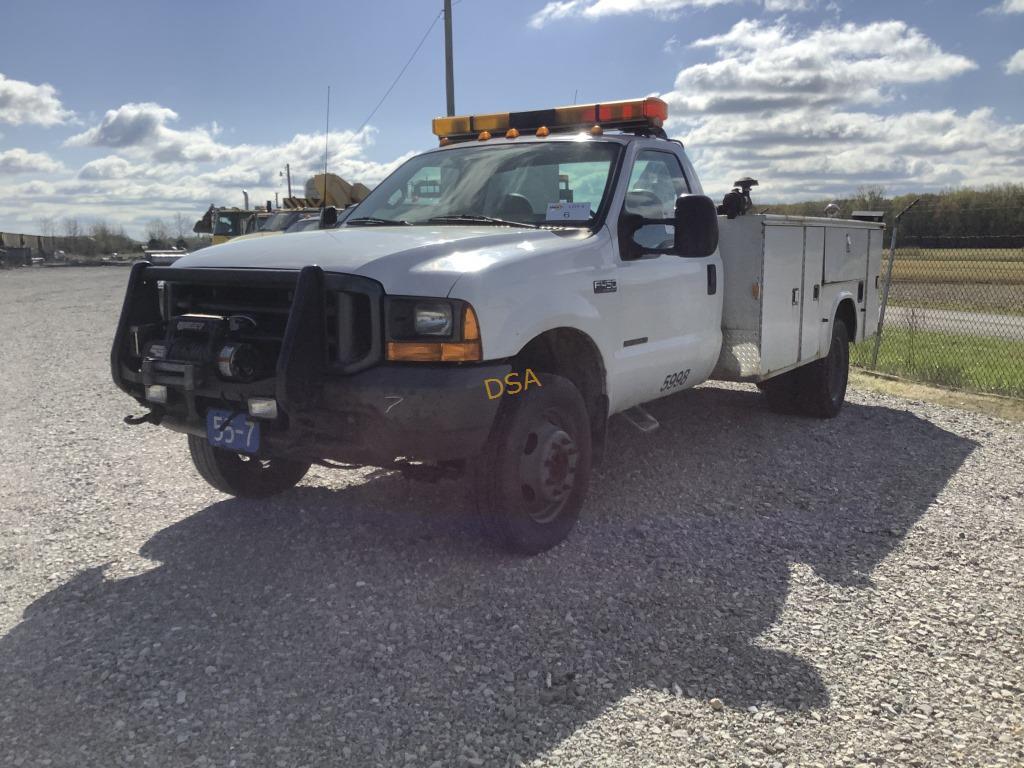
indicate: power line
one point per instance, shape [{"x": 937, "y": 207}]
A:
[{"x": 402, "y": 72}]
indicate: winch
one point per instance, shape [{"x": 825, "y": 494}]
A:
[{"x": 206, "y": 344}]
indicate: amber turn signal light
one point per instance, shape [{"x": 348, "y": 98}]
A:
[
  {"x": 418, "y": 352},
  {"x": 470, "y": 326}
]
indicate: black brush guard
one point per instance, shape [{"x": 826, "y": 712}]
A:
[{"x": 362, "y": 410}]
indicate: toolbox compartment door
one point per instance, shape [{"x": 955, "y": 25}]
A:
[
  {"x": 810, "y": 322},
  {"x": 780, "y": 304},
  {"x": 846, "y": 250}
]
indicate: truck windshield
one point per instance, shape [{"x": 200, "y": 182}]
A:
[
  {"x": 561, "y": 183},
  {"x": 279, "y": 221}
]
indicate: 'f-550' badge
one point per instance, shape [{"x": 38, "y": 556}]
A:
[{"x": 605, "y": 286}]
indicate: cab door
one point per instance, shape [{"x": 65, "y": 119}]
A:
[{"x": 669, "y": 329}]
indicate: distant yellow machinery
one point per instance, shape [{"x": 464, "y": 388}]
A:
[{"x": 321, "y": 190}]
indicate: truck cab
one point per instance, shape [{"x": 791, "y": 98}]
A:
[{"x": 483, "y": 313}]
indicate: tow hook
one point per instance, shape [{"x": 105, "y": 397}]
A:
[{"x": 153, "y": 417}]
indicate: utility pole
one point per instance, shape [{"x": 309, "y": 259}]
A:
[
  {"x": 449, "y": 69},
  {"x": 288, "y": 170}
]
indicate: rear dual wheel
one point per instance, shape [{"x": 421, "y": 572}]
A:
[{"x": 818, "y": 388}]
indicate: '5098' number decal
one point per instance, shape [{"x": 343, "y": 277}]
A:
[{"x": 675, "y": 380}]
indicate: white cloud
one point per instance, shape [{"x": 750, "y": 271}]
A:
[
  {"x": 762, "y": 67},
  {"x": 794, "y": 109},
  {"x": 595, "y": 9},
  {"x": 153, "y": 169},
  {"x": 781, "y": 6},
  {"x": 1009, "y": 6},
  {"x": 142, "y": 129},
  {"x": 24, "y": 103},
  {"x": 127, "y": 126},
  {"x": 109, "y": 167},
  {"x": 19, "y": 160},
  {"x": 1015, "y": 66}
]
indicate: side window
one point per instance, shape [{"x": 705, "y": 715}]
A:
[{"x": 656, "y": 181}]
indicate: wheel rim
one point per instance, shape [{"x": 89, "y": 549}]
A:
[{"x": 547, "y": 469}]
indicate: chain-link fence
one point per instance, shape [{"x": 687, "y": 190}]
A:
[{"x": 954, "y": 314}]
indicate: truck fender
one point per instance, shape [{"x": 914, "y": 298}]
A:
[
  {"x": 825, "y": 335},
  {"x": 507, "y": 333}
]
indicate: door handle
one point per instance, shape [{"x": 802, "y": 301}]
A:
[{"x": 796, "y": 295}]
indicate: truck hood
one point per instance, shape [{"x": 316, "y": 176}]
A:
[{"x": 411, "y": 260}]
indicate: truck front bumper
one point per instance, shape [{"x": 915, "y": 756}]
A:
[
  {"x": 369, "y": 413},
  {"x": 418, "y": 412}
]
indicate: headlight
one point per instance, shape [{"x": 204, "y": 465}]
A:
[
  {"x": 432, "y": 330},
  {"x": 433, "y": 321},
  {"x": 411, "y": 319}
]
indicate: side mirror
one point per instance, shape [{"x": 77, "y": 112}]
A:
[
  {"x": 696, "y": 226},
  {"x": 329, "y": 217}
]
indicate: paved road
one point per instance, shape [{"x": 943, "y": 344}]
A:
[
  {"x": 743, "y": 588},
  {"x": 955, "y": 321}
]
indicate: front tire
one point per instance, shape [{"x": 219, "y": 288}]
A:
[
  {"x": 241, "y": 475},
  {"x": 532, "y": 479}
]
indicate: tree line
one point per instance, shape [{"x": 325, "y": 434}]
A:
[
  {"x": 990, "y": 217},
  {"x": 99, "y": 237}
]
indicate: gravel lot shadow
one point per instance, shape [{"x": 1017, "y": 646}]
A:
[{"x": 369, "y": 624}]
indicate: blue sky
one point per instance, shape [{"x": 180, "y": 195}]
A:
[{"x": 127, "y": 110}]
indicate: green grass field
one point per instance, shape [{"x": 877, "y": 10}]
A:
[
  {"x": 970, "y": 279},
  {"x": 975, "y": 363}
]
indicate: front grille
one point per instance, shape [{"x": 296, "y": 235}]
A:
[
  {"x": 265, "y": 309},
  {"x": 347, "y": 315}
]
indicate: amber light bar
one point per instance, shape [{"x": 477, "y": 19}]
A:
[{"x": 650, "y": 113}]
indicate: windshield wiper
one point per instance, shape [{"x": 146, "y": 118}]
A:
[
  {"x": 472, "y": 218},
  {"x": 373, "y": 220}
]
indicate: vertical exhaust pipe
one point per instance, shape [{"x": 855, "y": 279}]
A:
[{"x": 245, "y": 195}]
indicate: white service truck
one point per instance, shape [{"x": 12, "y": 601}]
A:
[{"x": 487, "y": 309}]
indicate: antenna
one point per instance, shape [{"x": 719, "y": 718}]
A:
[
  {"x": 327, "y": 135},
  {"x": 449, "y": 66}
]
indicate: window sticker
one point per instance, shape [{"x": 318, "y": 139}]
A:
[{"x": 568, "y": 212}]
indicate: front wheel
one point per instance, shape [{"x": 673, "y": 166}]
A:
[
  {"x": 242, "y": 475},
  {"x": 532, "y": 479}
]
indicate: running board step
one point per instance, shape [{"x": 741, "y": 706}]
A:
[{"x": 641, "y": 419}]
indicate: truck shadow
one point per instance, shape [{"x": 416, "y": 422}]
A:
[{"x": 366, "y": 622}]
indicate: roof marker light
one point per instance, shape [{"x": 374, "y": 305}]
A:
[
  {"x": 484, "y": 136},
  {"x": 543, "y": 131},
  {"x": 596, "y": 130},
  {"x": 512, "y": 133}
]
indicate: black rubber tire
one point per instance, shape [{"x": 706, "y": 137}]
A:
[
  {"x": 245, "y": 476},
  {"x": 822, "y": 389},
  {"x": 782, "y": 391},
  {"x": 514, "y": 514}
]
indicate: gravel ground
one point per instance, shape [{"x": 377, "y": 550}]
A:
[{"x": 743, "y": 589}]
